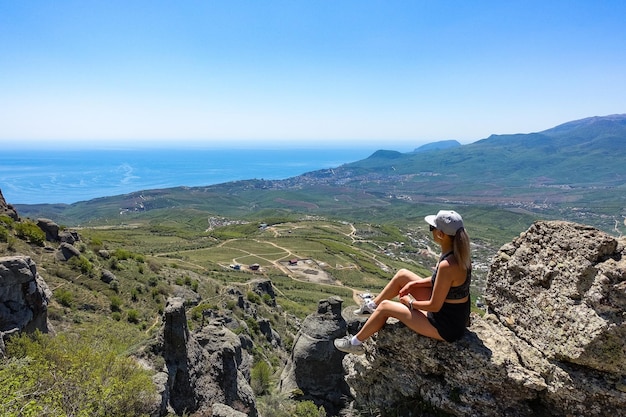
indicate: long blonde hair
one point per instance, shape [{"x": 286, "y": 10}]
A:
[{"x": 461, "y": 248}]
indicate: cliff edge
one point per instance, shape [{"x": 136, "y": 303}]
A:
[{"x": 553, "y": 342}]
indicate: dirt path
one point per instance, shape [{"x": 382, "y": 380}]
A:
[{"x": 277, "y": 263}]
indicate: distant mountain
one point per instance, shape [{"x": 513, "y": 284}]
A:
[
  {"x": 444, "y": 144},
  {"x": 588, "y": 152},
  {"x": 572, "y": 171}
]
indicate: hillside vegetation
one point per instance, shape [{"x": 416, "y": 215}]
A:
[{"x": 198, "y": 258}]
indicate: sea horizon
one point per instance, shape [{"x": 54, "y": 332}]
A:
[{"x": 68, "y": 176}]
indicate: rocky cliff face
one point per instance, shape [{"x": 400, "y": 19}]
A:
[
  {"x": 8, "y": 209},
  {"x": 552, "y": 344},
  {"x": 314, "y": 367},
  {"x": 24, "y": 297},
  {"x": 206, "y": 372}
]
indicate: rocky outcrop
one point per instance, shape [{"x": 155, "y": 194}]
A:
[
  {"x": 54, "y": 233},
  {"x": 203, "y": 369},
  {"x": 265, "y": 289},
  {"x": 552, "y": 344},
  {"x": 8, "y": 209},
  {"x": 24, "y": 297},
  {"x": 66, "y": 251},
  {"x": 561, "y": 287},
  {"x": 50, "y": 228},
  {"x": 314, "y": 369}
]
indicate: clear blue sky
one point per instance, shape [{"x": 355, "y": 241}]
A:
[{"x": 379, "y": 74}]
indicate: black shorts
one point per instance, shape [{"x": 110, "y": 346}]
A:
[{"x": 451, "y": 321}]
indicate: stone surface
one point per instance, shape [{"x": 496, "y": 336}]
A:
[
  {"x": 24, "y": 297},
  {"x": 315, "y": 366},
  {"x": 552, "y": 344},
  {"x": 8, "y": 209},
  {"x": 221, "y": 410},
  {"x": 107, "y": 276},
  {"x": 203, "y": 368},
  {"x": 66, "y": 251},
  {"x": 50, "y": 228},
  {"x": 562, "y": 288}
]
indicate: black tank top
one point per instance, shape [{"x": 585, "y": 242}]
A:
[{"x": 459, "y": 292}]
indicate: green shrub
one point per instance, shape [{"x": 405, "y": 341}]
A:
[
  {"x": 132, "y": 316},
  {"x": 253, "y": 325},
  {"x": 64, "y": 297},
  {"x": 6, "y": 221},
  {"x": 30, "y": 232},
  {"x": 82, "y": 264},
  {"x": 71, "y": 375},
  {"x": 260, "y": 378},
  {"x": 267, "y": 299},
  {"x": 96, "y": 243},
  {"x": 122, "y": 254},
  {"x": 309, "y": 409},
  {"x": 116, "y": 304},
  {"x": 253, "y": 297},
  {"x": 4, "y": 234}
]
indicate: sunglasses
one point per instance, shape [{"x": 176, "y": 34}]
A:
[{"x": 432, "y": 228}]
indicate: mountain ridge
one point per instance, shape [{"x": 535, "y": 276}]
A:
[{"x": 568, "y": 171}]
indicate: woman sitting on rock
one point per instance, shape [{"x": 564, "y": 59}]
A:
[{"x": 436, "y": 307}]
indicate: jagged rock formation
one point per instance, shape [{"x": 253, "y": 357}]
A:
[
  {"x": 24, "y": 297},
  {"x": 8, "y": 209},
  {"x": 204, "y": 369},
  {"x": 314, "y": 368},
  {"x": 54, "y": 233},
  {"x": 263, "y": 287},
  {"x": 50, "y": 228},
  {"x": 552, "y": 344}
]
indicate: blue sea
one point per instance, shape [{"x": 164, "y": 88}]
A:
[{"x": 34, "y": 177}]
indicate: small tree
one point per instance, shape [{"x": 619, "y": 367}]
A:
[{"x": 260, "y": 378}]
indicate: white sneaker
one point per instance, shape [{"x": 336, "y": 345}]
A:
[
  {"x": 345, "y": 345},
  {"x": 364, "y": 309}
]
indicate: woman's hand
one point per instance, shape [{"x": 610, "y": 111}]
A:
[
  {"x": 406, "y": 289},
  {"x": 407, "y": 300}
]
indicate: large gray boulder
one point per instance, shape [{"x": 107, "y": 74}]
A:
[
  {"x": 66, "y": 251},
  {"x": 552, "y": 344},
  {"x": 314, "y": 368},
  {"x": 562, "y": 288},
  {"x": 24, "y": 297},
  {"x": 203, "y": 369},
  {"x": 50, "y": 228}
]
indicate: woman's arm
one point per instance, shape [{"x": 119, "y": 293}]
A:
[
  {"x": 443, "y": 282},
  {"x": 411, "y": 285}
]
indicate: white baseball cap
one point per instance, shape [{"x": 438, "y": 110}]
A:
[{"x": 448, "y": 221}]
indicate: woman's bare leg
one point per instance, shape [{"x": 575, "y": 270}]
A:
[
  {"x": 414, "y": 319},
  {"x": 393, "y": 287}
]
